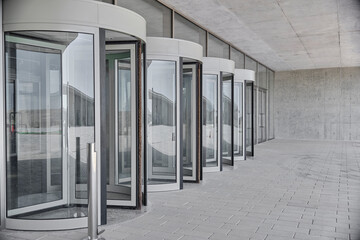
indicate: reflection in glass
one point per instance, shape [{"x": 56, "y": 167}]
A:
[
  {"x": 189, "y": 120},
  {"x": 251, "y": 64},
  {"x": 157, "y": 16},
  {"x": 210, "y": 120},
  {"x": 49, "y": 103},
  {"x": 249, "y": 118},
  {"x": 262, "y": 79},
  {"x": 184, "y": 29},
  {"x": 238, "y": 57},
  {"x": 238, "y": 119},
  {"x": 161, "y": 121},
  {"x": 124, "y": 120},
  {"x": 119, "y": 166},
  {"x": 217, "y": 48},
  {"x": 227, "y": 116},
  {"x": 34, "y": 114}
]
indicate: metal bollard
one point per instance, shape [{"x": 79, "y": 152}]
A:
[{"x": 93, "y": 233}]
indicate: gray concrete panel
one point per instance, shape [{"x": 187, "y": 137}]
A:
[{"x": 321, "y": 104}]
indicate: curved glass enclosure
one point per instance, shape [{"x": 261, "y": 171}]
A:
[
  {"x": 217, "y": 114},
  {"x": 57, "y": 100},
  {"x": 172, "y": 113}
]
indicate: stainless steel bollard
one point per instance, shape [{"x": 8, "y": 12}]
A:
[{"x": 92, "y": 195}]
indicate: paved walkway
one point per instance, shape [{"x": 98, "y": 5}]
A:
[{"x": 290, "y": 190}]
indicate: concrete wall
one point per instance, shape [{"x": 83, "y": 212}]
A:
[{"x": 318, "y": 104}]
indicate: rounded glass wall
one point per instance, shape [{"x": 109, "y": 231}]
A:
[
  {"x": 210, "y": 120},
  {"x": 161, "y": 122},
  {"x": 49, "y": 121}
]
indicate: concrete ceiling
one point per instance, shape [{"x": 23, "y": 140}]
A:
[{"x": 284, "y": 34}]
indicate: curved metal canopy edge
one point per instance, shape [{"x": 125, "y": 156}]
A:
[
  {"x": 211, "y": 64},
  {"x": 174, "y": 47},
  {"x": 244, "y": 74}
]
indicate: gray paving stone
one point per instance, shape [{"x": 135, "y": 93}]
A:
[
  {"x": 194, "y": 233},
  {"x": 289, "y": 189}
]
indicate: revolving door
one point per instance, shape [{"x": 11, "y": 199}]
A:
[
  {"x": 54, "y": 78},
  {"x": 50, "y": 120},
  {"x": 173, "y": 79},
  {"x": 217, "y": 114}
]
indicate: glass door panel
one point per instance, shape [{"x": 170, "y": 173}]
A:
[
  {"x": 249, "y": 119},
  {"x": 34, "y": 114},
  {"x": 227, "y": 118},
  {"x": 189, "y": 122},
  {"x": 161, "y": 122},
  {"x": 238, "y": 119},
  {"x": 262, "y": 115},
  {"x": 80, "y": 106},
  {"x": 121, "y": 188},
  {"x": 210, "y": 120},
  {"x": 50, "y": 120}
]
